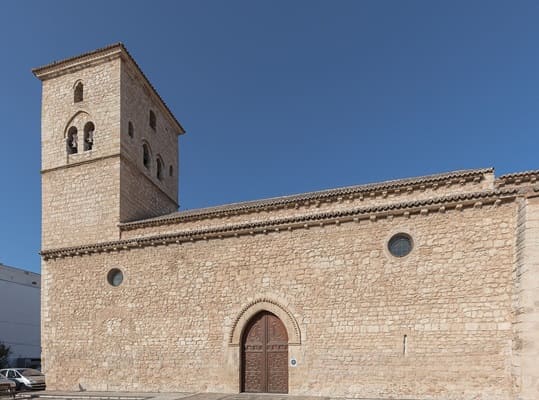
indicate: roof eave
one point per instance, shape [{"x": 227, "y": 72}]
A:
[
  {"x": 75, "y": 63},
  {"x": 283, "y": 201}
]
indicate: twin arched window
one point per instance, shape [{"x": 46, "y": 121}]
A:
[
  {"x": 160, "y": 165},
  {"x": 72, "y": 138}
]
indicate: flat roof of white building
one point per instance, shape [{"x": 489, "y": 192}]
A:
[{"x": 19, "y": 276}]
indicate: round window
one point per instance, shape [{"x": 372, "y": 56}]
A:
[
  {"x": 115, "y": 277},
  {"x": 400, "y": 245}
]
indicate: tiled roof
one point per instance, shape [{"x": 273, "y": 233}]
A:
[
  {"x": 310, "y": 196},
  {"x": 296, "y": 222},
  {"x": 91, "y": 54},
  {"x": 39, "y": 70},
  {"x": 525, "y": 175}
]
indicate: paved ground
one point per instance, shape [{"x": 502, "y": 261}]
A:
[{"x": 49, "y": 395}]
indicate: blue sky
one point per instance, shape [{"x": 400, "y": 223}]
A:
[{"x": 283, "y": 97}]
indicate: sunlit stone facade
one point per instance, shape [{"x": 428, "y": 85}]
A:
[{"x": 297, "y": 294}]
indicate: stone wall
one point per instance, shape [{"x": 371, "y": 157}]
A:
[
  {"x": 526, "y": 298},
  {"x": 80, "y": 191},
  {"x": 81, "y": 204},
  {"x": 87, "y": 194},
  {"x": 101, "y": 105},
  {"x": 137, "y": 101},
  {"x": 168, "y": 326},
  {"x": 143, "y": 194}
]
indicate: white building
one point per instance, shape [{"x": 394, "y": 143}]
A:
[{"x": 20, "y": 292}]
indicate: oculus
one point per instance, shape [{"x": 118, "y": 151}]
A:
[
  {"x": 115, "y": 277},
  {"x": 400, "y": 245}
]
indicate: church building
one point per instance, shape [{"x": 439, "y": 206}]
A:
[{"x": 423, "y": 288}]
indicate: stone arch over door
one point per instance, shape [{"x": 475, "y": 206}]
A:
[
  {"x": 272, "y": 306},
  {"x": 235, "y": 331}
]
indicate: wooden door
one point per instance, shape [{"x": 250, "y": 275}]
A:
[{"x": 265, "y": 355}]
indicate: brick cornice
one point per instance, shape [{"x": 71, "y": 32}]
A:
[
  {"x": 68, "y": 64},
  {"x": 404, "y": 209},
  {"x": 518, "y": 178},
  {"x": 331, "y": 195}
]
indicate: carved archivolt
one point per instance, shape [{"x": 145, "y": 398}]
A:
[{"x": 265, "y": 304}]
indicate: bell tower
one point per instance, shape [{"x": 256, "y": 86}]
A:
[{"x": 109, "y": 148}]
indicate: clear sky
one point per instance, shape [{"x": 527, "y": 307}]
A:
[{"x": 284, "y": 97}]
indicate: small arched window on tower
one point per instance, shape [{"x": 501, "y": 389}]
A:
[
  {"x": 159, "y": 173},
  {"x": 130, "y": 130},
  {"x": 152, "y": 120},
  {"x": 89, "y": 129},
  {"x": 170, "y": 171},
  {"x": 79, "y": 92},
  {"x": 71, "y": 141},
  {"x": 146, "y": 155}
]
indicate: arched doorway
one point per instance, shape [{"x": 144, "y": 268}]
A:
[{"x": 264, "y": 355}]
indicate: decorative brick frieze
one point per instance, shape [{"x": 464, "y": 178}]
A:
[
  {"x": 315, "y": 199},
  {"x": 444, "y": 204},
  {"x": 518, "y": 178}
]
